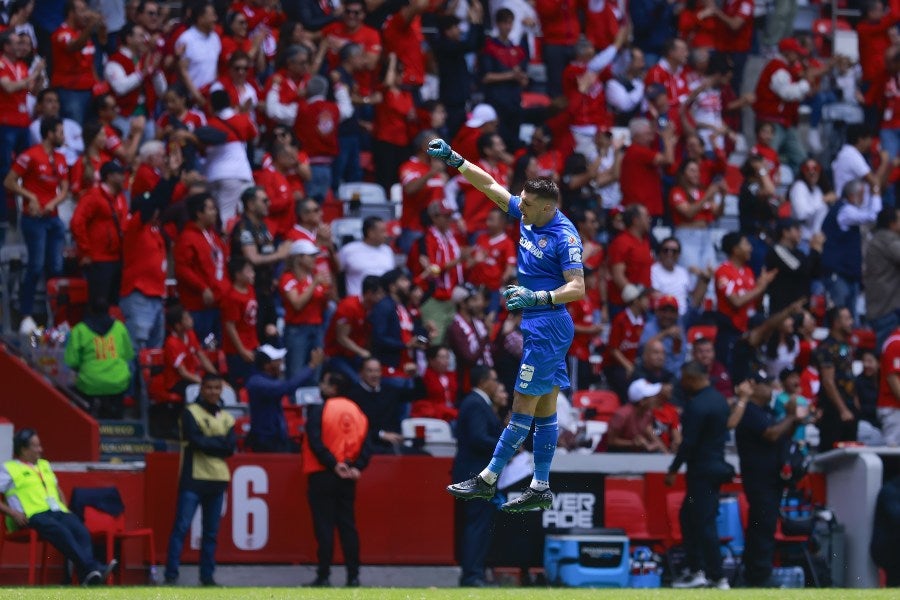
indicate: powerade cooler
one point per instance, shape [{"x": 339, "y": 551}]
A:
[{"x": 587, "y": 558}]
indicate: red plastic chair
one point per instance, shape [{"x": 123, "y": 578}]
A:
[
  {"x": 26, "y": 536},
  {"x": 104, "y": 526},
  {"x": 624, "y": 509},
  {"x": 67, "y": 298},
  {"x": 603, "y": 403}
]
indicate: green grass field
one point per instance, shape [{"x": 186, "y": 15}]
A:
[{"x": 259, "y": 593}]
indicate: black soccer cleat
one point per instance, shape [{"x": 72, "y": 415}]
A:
[
  {"x": 472, "y": 489},
  {"x": 529, "y": 500}
]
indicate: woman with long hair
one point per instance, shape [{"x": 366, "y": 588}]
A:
[{"x": 694, "y": 211}]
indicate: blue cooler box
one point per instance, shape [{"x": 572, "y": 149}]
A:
[{"x": 588, "y": 558}]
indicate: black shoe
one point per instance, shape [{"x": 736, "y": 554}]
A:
[
  {"x": 108, "y": 569},
  {"x": 319, "y": 582},
  {"x": 170, "y": 581},
  {"x": 353, "y": 582},
  {"x": 477, "y": 583},
  {"x": 209, "y": 583},
  {"x": 530, "y": 499},
  {"x": 471, "y": 489}
]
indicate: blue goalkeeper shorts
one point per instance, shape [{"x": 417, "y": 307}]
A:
[{"x": 547, "y": 334}]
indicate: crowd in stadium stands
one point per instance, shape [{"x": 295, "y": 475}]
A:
[{"x": 207, "y": 143}]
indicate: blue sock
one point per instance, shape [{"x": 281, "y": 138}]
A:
[
  {"x": 546, "y": 432},
  {"x": 510, "y": 440}
]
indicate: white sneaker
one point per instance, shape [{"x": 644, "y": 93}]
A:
[
  {"x": 27, "y": 326},
  {"x": 691, "y": 580},
  {"x": 721, "y": 584}
]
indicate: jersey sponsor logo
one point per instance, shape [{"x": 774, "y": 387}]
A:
[
  {"x": 575, "y": 255},
  {"x": 542, "y": 242},
  {"x": 572, "y": 240},
  {"x": 526, "y": 373},
  {"x": 531, "y": 247}
]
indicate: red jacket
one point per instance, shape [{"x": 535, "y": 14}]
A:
[
  {"x": 316, "y": 128},
  {"x": 200, "y": 258},
  {"x": 559, "y": 21},
  {"x": 98, "y": 224},
  {"x": 144, "y": 264},
  {"x": 769, "y": 106},
  {"x": 146, "y": 178},
  {"x": 282, "y": 215}
]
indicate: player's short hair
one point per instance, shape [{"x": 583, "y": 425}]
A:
[
  {"x": 207, "y": 377},
  {"x": 236, "y": 265},
  {"x": 21, "y": 439},
  {"x": 730, "y": 241},
  {"x": 248, "y": 195},
  {"x": 831, "y": 315},
  {"x": 504, "y": 15},
  {"x": 543, "y": 188},
  {"x": 485, "y": 141},
  {"x": 196, "y": 203},
  {"x": 174, "y": 314},
  {"x": 338, "y": 381},
  {"x": 700, "y": 341},
  {"x": 694, "y": 369},
  {"x": 479, "y": 374},
  {"x": 631, "y": 213},
  {"x": 432, "y": 351},
  {"x": 369, "y": 224},
  {"x": 371, "y": 284},
  {"x": 49, "y": 125}
]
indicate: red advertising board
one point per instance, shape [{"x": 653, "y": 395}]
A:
[{"x": 403, "y": 513}]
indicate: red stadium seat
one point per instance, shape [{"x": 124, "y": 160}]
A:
[
  {"x": 674, "y": 500},
  {"x": 624, "y": 509},
  {"x": 601, "y": 404},
  {"x": 111, "y": 529}
]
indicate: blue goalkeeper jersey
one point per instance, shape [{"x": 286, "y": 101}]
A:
[{"x": 545, "y": 252}]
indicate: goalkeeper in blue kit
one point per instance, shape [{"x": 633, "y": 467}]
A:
[{"x": 550, "y": 275}]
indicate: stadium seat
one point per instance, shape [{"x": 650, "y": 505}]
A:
[
  {"x": 596, "y": 405},
  {"x": 436, "y": 435},
  {"x": 594, "y": 431},
  {"x": 26, "y": 536},
  {"x": 230, "y": 399},
  {"x": 67, "y": 298},
  {"x": 111, "y": 529},
  {"x": 371, "y": 198},
  {"x": 307, "y": 395},
  {"x": 624, "y": 509},
  {"x": 346, "y": 230}
]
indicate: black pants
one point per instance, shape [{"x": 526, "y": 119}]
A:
[
  {"x": 832, "y": 429},
  {"x": 474, "y": 521},
  {"x": 103, "y": 280},
  {"x": 727, "y": 336},
  {"x": 65, "y": 532},
  {"x": 388, "y": 158},
  {"x": 331, "y": 502},
  {"x": 698, "y": 525},
  {"x": 107, "y": 407},
  {"x": 764, "y": 497}
]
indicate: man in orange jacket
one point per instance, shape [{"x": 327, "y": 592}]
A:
[
  {"x": 334, "y": 453},
  {"x": 97, "y": 225}
]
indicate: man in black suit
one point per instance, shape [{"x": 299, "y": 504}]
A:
[{"x": 477, "y": 428}]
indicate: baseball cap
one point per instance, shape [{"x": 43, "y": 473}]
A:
[
  {"x": 481, "y": 114},
  {"x": 667, "y": 302},
  {"x": 267, "y": 353},
  {"x": 632, "y": 292},
  {"x": 641, "y": 388},
  {"x": 111, "y": 167},
  {"x": 463, "y": 292},
  {"x": 304, "y": 247},
  {"x": 759, "y": 376},
  {"x": 792, "y": 45}
]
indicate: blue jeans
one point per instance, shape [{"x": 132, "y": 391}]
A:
[
  {"x": 346, "y": 166},
  {"x": 697, "y": 248},
  {"x": 44, "y": 239},
  {"x": 299, "y": 341},
  {"x": 787, "y": 143},
  {"x": 207, "y": 321},
  {"x": 211, "y": 506},
  {"x": 347, "y": 366},
  {"x": 842, "y": 292},
  {"x": 320, "y": 182},
  {"x": 144, "y": 320},
  {"x": 65, "y": 532},
  {"x": 407, "y": 238},
  {"x": 890, "y": 141},
  {"x": 74, "y": 104}
]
